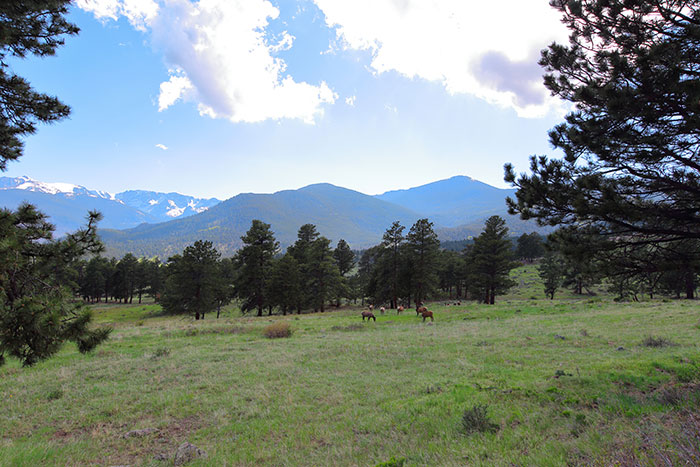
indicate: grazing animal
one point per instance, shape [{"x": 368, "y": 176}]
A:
[
  {"x": 371, "y": 307},
  {"x": 382, "y": 310},
  {"x": 369, "y": 315},
  {"x": 420, "y": 310},
  {"x": 399, "y": 309},
  {"x": 427, "y": 314}
]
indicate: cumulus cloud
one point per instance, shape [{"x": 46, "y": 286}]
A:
[
  {"x": 162, "y": 146},
  {"x": 172, "y": 90},
  {"x": 221, "y": 58},
  {"x": 350, "y": 101},
  {"x": 138, "y": 12},
  {"x": 471, "y": 47}
]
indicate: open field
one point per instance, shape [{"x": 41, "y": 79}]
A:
[{"x": 344, "y": 392}]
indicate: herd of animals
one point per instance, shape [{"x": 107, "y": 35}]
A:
[{"x": 420, "y": 311}]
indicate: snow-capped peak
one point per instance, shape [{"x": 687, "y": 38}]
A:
[{"x": 52, "y": 188}]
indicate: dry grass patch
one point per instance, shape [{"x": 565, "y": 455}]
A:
[{"x": 278, "y": 330}]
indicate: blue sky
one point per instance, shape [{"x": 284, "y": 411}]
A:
[{"x": 217, "y": 97}]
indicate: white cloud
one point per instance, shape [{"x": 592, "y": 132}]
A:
[
  {"x": 221, "y": 57},
  {"x": 471, "y": 47},
  {"x": 138, "y": 12},
  {"x": 162, "y": 146},
  {"x": 351, "y": 101},
  {"x": 172, "y": 90}
]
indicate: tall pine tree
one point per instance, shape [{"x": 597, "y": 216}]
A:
[
  {"x": 490, "y": 261},
  {"x": 254, "y": 261}
]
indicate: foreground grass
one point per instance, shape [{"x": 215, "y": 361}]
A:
[{"x": 343, "y": 392}]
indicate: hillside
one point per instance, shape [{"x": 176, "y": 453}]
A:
[
  {"x": 563, "y": 382},
  {"x": 337, "y": 212},
  {"x": 452, "y": 202}
]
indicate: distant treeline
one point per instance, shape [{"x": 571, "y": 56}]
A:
[{"x": 404, "y": 269}]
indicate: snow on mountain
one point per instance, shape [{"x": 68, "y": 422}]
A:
[
  {"x": 121, "y": 210},
  {"x": 53, "y": 188},
  {"x": 166, "y": 206}
]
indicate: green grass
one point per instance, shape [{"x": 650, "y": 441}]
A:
[{"x": 343, "y": 392}]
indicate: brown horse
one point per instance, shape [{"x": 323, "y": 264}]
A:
[
  {"x": 369, "y": 315},
  {"x": 428, "y": 314},
  {"x": 420, "y": 310},
  {"x": 399, "y": 309}
]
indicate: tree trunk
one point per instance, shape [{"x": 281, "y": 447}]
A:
[{"x": 689, "y": 286}]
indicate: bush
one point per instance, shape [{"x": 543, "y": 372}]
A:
[
  {"x": 477, "y": 419},
  {"x": 276, "y": 330},
  {"x": 652, "y": 341}
]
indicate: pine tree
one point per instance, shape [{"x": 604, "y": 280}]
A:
[
  {"x": 422, "y": 245},
  {"x": 324, "y": 277},
  {"x": 392, "y": 240},
  {"x": 551, "y": 272},
  {"x": 31, "y": 27},
  {"x": 191, "y": 284},
  {"x": 253, "y": 261},
  {"x": 301, "y": 251},
  {"x": 631, "y": 145},
  {"x": 345, "y": 261},
  {"x": 37, "y": 313},
  {"x": 491, "y": 261},
  {"x": 284, "y": 287}
]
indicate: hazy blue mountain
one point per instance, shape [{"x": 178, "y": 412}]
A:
[
  {"x": 68, "y": 213},
  {"x": 453, "y": 202},
  {"x": 337, "y": 213},
  {"x": 67, "y": 205}
]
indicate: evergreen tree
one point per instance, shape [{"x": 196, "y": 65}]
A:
[
  {"x": 301, "y": 251},
  {"x": 224, "y": 290},
  {"x": 284, "y": 287},
  {"x": 491, "y": 260},
  {"x": 31, "y": 27},
  {"x": 392, "y": 240},
  {"x": 191, "y": 285},
  {"x": 423, "y": 246},
  {"x": 37, "y": 313},
  {"x": 631, "y": 166},
  {"x": 345, "y": 261},
  {"x": 344, "y": 257},
  {"x": 580, "y": 249},
  {"x": 551, "y": 272},
  {"x": 253, "y": 262},
  {"x": 323, "y": 275},
  {"x": 125, "y": 278},
  {"x": 529, "y": 247},
  {"x": 94, "y": 281}
]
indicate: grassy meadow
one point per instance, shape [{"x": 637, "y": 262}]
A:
[{"x": 573, "y": 381}]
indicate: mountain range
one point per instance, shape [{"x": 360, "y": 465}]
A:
[
  {"x": 67, "y": 204},
  {"x": 162, "y": 224}
]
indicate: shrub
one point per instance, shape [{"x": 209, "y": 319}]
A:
[
  {"x": 651, "y": 341},
  {"x": 279, "y": 329},
  {"x": 477, "y": 419}
]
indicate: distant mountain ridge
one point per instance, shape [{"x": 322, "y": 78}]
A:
[
  {"x": 453, "y": 202},
  {"x": 149, "y": 223},
  {"x": 67, "y": 204},
  {"x": 337, "y": 212}
]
